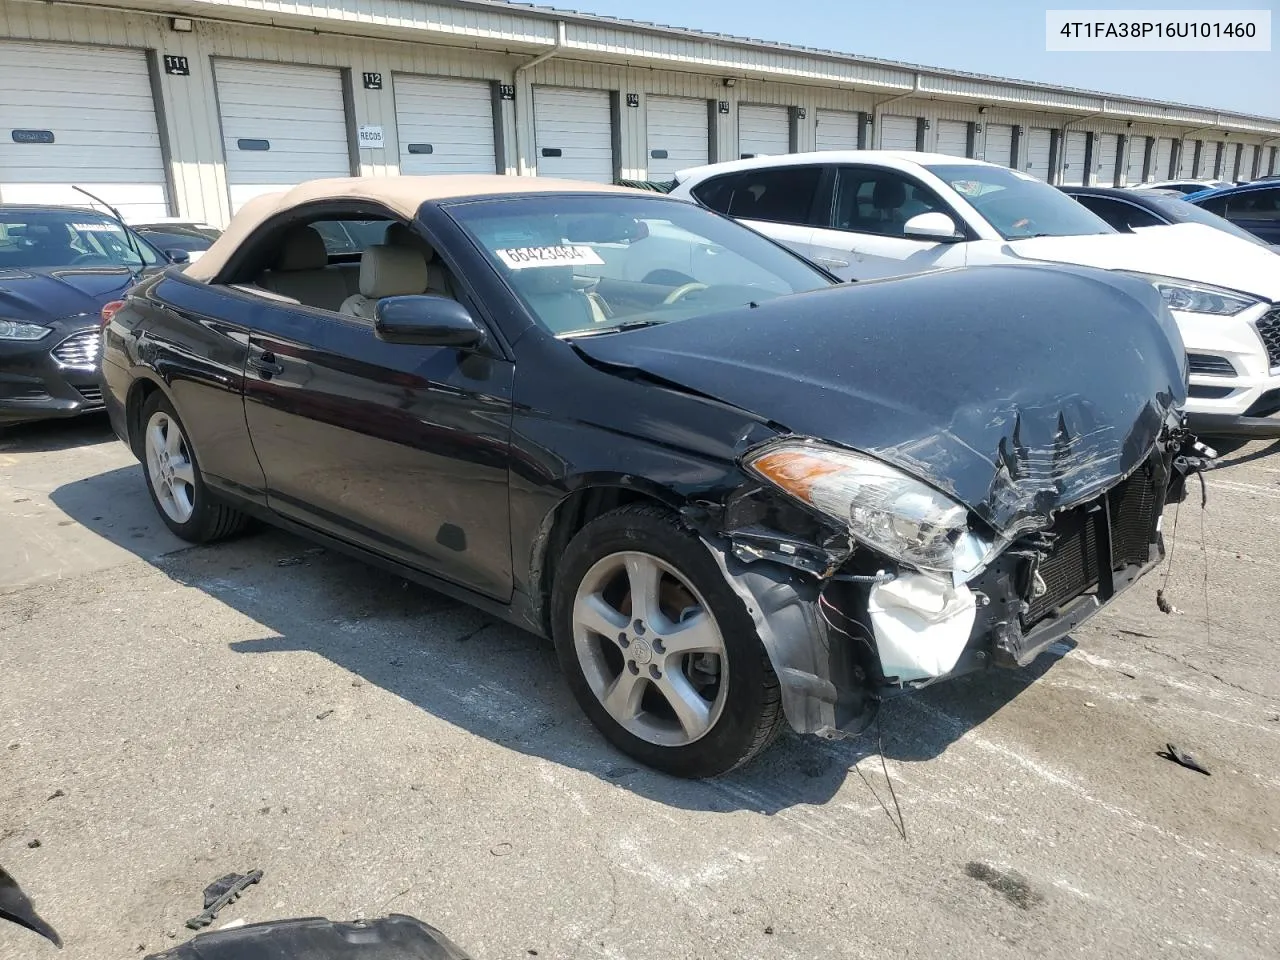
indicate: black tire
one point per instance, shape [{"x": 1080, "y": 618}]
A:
[
  {"x": 752, "y": 714},
  {"x": 210, "y": 519}
]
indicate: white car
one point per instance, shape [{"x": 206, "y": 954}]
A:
[
  {"x": 870, "y": 214},
  {"x": 1182, "y": 186}
]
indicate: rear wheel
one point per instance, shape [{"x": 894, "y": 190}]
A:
[
  {"x": 177, "y": 488},
  {"x": 658, "y": 650}
]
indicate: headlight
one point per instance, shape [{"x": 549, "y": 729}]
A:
[
  {"x": 14, "y": 330},
  {"x": 1188, "y": 297},
  {"x": 884, "y": 508}
]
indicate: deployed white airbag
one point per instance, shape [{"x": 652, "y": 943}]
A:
[{"x": 921, "y": 625}]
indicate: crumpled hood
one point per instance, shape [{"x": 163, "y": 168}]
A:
[
  {"x": 1187, "y": 251},
  {"x": 44, "y": 294},
  {"x": 1016, "y": 389}
]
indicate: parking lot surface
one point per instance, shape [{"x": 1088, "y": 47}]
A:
[{"x": 171, "y": 714}]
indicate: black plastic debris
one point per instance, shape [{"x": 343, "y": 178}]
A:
[
  {"x": 16, "y": 907},
  {"x": 395, "y": 937},
  {"x": 1182, "y": 758},
  {"x": 221, "y": 892}
]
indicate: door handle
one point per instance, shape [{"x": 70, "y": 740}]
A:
[{"x": 266, "y": 365}]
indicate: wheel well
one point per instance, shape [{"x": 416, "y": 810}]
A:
[
  {"x": 139, "y": 393},
  {"x": 572, "y": 514}
]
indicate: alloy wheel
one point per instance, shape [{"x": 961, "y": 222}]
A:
[{"x": 170, "y": 468}]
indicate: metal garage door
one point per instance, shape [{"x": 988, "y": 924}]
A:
[
  {"x": 281, "y": 125},
  {"x": 1163, "y": 160},
  {"x": 1105, "y": 146},
  {"x": 837, "y": 130},
  {"x": 898, "y": 133},
  {"x": 79, "y": 115},
  {"x": 1039, "y": 143},
  {"x": 444, "y": 125},
  {"x": 1246, "y": 161},
  {"x": 763, "y": 130},
  {"x": 679, "y": 135},
  {"x": 573, "y": 133},
  {"x": 1136, "y": 160},
  {"x": 953, "y": 138},
  {"x": 1000, "y": 144},
  {"x": 1073, "y": 161}
]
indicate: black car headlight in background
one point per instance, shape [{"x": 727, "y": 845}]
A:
[
  {"x": 18, "y": 330},
  {"x": 884, "y": 508}
]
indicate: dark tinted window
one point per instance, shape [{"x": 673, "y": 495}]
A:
[
  {"x": 880, "y": 201},
  {"x": 1255, "y": 205},
  {"x": 1121, "y": 215},
  {"x": 350, "y": 236},
  {"x": 177, "y": 239},
  {"x": 1179, "y": 211},
  {"x": 1216, "y": 205},
  {"x": 780, "y": 195}
]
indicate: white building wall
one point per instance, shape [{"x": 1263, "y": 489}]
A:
[{"x": 597, "y": 57}]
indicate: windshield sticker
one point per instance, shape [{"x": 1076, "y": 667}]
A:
[
  {"x": 518, "y": 258},
  {"x": 95, "y": 227}
]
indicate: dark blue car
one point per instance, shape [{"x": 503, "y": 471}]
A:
[
  {"x": 58, "y": 267},
  {"x": 1253, "y": 206}
]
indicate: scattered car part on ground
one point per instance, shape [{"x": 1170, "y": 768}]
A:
[
  {"x": 58, "y": 267},
  {"x": 16, "y": 907},
  {"x": 221, "y": 892},
  {"x": 733, "y": 491},
  {"x": 1129, "y": 210},
  {"x": 1253, "y": 206},
  {"x": 865, "y": 214},
  {"x": 1183, "y": 759}
]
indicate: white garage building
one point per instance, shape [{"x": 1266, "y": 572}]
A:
[{"x": 190, "y": 107}]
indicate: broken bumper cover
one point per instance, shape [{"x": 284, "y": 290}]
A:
[{"x": 830, "y": 654}]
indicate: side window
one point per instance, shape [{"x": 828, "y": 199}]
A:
[
  {"x": 717, "y": 193},
  {"x": 1217, "y": 205},
  {"x": 1125, "y": 217},
  {"x": 1258, "y": 205},
  {"x": 781, "y": 195},
  {"x": 880, "y": 201}
]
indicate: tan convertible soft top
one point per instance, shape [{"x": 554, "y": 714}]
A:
[{"x": 401, "y": 195}]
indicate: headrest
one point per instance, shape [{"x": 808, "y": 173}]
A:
[
  {"x": 889, "y": 195},
  {"x": 398, "y": 235},
  {"x": 302, "y": 248},
  {"x": 392, "y": 272}
]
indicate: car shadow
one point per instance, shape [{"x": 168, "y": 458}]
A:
[
  {"x": 501, "y": 683},
  {"x": 1248, "y": 452},
  {"x": 48, "y": 436}
]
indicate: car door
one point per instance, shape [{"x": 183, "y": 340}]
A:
[
  {"x": 863, "y": 237},
  {"x": 400, "y": 449},
  {"x": 780, "y": 202}
]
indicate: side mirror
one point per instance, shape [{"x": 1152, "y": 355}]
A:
[
  {"x": 931, "y": 226},
  {"x": 427, "y": 321},
  {"x": 178, "y": 256}
]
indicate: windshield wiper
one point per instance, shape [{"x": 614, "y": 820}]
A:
[{"x": 615, "y": 328}]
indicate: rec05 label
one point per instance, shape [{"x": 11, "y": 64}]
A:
[{"x": 520, "y": 258}]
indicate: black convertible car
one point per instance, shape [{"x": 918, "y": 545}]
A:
[
  {"x": 735, "y": 492},
  {"x": 58, "y": 267}
]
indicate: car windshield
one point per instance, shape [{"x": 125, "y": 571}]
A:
[
  {"x": 1179, "y": 211},
  {"x": 67, "y": 238},
  {"x": 599, "y": 264},
  {"x": 1017, "y": 205},
  {"x": 168, "y": 237}
]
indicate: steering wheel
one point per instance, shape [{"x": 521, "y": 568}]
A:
[
  {"x": 682, "y": 291},
  {"x": 89, "y": 257}
]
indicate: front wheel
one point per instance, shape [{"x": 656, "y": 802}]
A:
[
  {"x": 173, "y": 477},
  {"x": 658, "y": 650}
]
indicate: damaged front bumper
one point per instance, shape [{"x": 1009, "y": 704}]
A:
[{"x": 841, "y": 641}]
